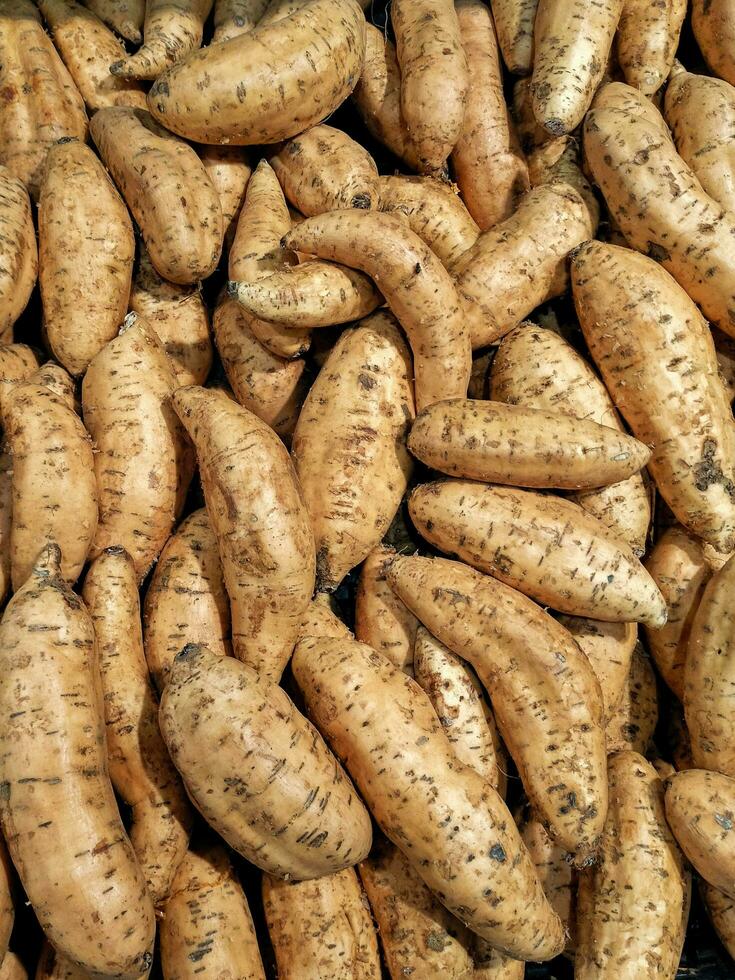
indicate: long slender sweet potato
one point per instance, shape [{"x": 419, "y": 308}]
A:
[
  {"x": 235, "y": 17},
  {"x": 647, "y": 39},
  {"x": 171, "y": 31},
  {"x": 700, "y": 809},
  {"x": 634, "y": 720},
  {"x": 550, "y": 720},
  {"x": 321, "y": 928},
  {"x": 417, "y": 288},
  {"x": 86, "y": 251},
  {"x": 609, "y": 648},
  {"x": 261, "y": 523},
  {"x": 521, "y": 262},
  {"x": 381, "y": 619},
  {"x": 124, "y": 16},
  {"x": 349, "y": 445},
  {"x": 434, "y": 211},
  {"x": 54, "y": 493},
  {"x": 487, "y": 159},
  {"x": 364, "y": 719},
  {"x": 434, "y": 77},
  {"x": 142, "y": 459},
  {"x": 514, "y": 20},
  {"x": 538, "y": 544},
  {"x": 679, "y": 569},
  {"x": 224, "y": 93},
  {"x": 714, "y": 28},
  {"x": 207, "y": 932},
  {"x": 40, "y": 103},
  {"x": 178, "y": 315},
  {"x": 229, "y": 170},
  {"x": 539, "y": 369},
  {"x": 558, "y": 877},
  {"x": 658, "y": 361},
  {"x": 87, "y": 49},
  {"x": 167, "y": 190},
  {"x": 658, "y": 203},
  {"x": 572, "y": 42},
  {"x": 631, "y": 905},
  {"x": 140, "y": 768},
  {"x": 19, "y": 256},
  {"x": 62, "y": 825},
  {"x": 273, "y": 789},
  {"x": 7, "y": 905}
]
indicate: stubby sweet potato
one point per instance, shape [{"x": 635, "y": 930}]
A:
[
  {"x": 40, "y": 101},
  {"x": 234, "y": 17},
  {"x": 258, "y": 515},
  {"x": 207, "y": 932},
  {"x": 349, "y": 445},
  {"x": 609, "y": 648},
  {"x": 19, "y": 256},
  {"x": 497, "y": 894},
  {"x": 272, "y": 789},
  {"x": 714, "y": 29},
  {"x": 321, "y": 928},
  {"x": 124, "y": 16},
  {"x": 171, "y": 30},
  {"x": 167, "y": 190},
  {"x": 91, "y": 900},
  {"x": 417, "y": 288},
  {"x": 632, "y": 906},
  {"x": 534, "y": 704},
  {"x": 647, "y": 39},
  {"x": 224, "y": 93},
  {"x": 229, "y": 170},
  {"x": 86, "y": 251},
  {"x": 658, "y": 361},
  {"x": 633, "y": 722},
  {"x": 381, "y": 619},
  {"x": 514, "y": 20}
]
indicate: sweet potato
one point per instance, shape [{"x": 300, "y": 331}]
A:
[
  {"x": 268, "y": 386},
  {"x": 377, "y": 97},
  {"x": 521, "y": 262},
  {"x": 714, "y": 29},
  {"x": 178, "y": 315},
  {"x": 658, "y": 361},
  {"x": 523, "y": 447},
  {"x": 323, "y": 169},
  {"x": 278, "y": 9},
  {"x": 322, "y": 619},
  {"x": 86, "y": 252},
  {"x": 434, "y": 77},
  {"x": 700, "y": 112},
  {"x": 235, "y": 17},
  {"x": 558, "y": 161},
  {"x": 538, "y": 543},
  {"x": 172, "y": 30},
  {"x": 721, "y": 910},
  {"x": 272, "y": 789},
  {"x": 257, "y": 512},
  {"x": 539, "y": 369},
  {"x": 677, "y": 738},
  {"x": 630, "y": 906},
  {"x": 709, "y": 679},
  {"x": 381, "y": 619},
  {"x": 658, "y": 203},
  {"x": 40, "y": 101},
  {"x": 609, "y": 648},
  {"x": 457, "y": 699},
  {"x": 647, "y": 39},
  {"x": 678, "y": 567},
  {"x": 417, "y": 288},
  {"x": 434, "y": 211},
  {"x": 207, "y": 931},
  {"x": 186, "y": 600},
  {"x": 224, "y": 93},
  {"x": 257, "y": 253},
  {"x": 18, "y": 362},
  {"x": 229, "y": 170},
  {"x": 124, "y": 16},
  {"x": 142, "y": 459},
  {"x": 7, "y": 905},
  {"x": 699, "y": 808},
  {"x": 140, "y": 768},
  {"x": 321, "y": 928},
  {"x": 6, "y": 521},
  {"x": 514, "y": 20},
  {"x": 62, "y": 825},
  {"x": 572, "y": 42},
  {"x": 557, "y": 875},
  {"x": 54, "y": 966},
  {"x": 13, "y": 967},
  {"x": 531, "y": 134},
  {"x": 87, "y": 48},
  {"x": 349, "y": 445},
  {"x": 725, "y": 352},
  {"x": 534, "y": 704},
  {"x": 19, "y": 257},
  {"x": 634, "y": 720},
  {"x": 167, "y": 189},
  {"x": 487, "y": 159},
  {"x": 54, "y": 493}
]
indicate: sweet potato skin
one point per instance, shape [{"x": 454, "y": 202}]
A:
[
  {"x": 647, "y": 39},
  {"x": 514, "y": 20},
  {"x": 609, "y": 648},
  {"x": 7, "y": 906},
  {"x": 19, "y": 259},
  {"x": 322, "y": 827},
  {"x": 229, "y": 170},
  {"x": 634, "y": 720},
  {"x": 170, "y": 32},
  {"x": 381, "y": 619},
  {"x": 319, "y": 51},
  {"x": 124, "y": 16},
  {"x": 714, "y": 29},
  {"x": 235, "y": 17}
]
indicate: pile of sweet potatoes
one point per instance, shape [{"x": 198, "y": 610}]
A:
[{"x": 367, "y": 487}]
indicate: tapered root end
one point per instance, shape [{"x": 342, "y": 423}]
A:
[
  {"x": 555, "y": 126},
  {"x": 232, "y": 287},
  {"x": 117, "y": 68}
]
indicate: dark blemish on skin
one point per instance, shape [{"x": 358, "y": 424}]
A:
[
  {"x": 724, "y": 820},
  {"x": 361, "y": 201},
  {"x": 436, "y": 941},
  {"x": 658, "y": 252},
  {"x": 497, "y": 853}
]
